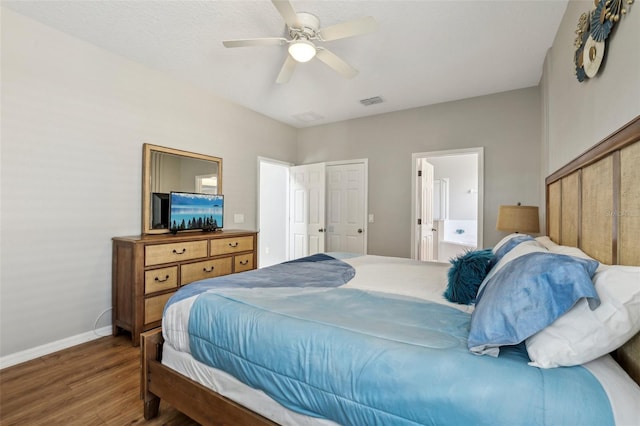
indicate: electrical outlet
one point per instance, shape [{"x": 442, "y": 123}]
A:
[{"x": 238, "y": 218}]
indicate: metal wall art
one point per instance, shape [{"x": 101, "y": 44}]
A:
[{"x": 594, "y": 27}]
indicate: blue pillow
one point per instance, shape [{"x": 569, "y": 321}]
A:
[
  {"x": 466, "y": 274},
  {"x": 526, "y": 295}
]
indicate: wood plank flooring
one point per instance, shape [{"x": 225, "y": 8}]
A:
[{"x": 96, "y": 383}]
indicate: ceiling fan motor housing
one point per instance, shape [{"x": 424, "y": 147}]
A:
[{"x": 309, "y": 26}]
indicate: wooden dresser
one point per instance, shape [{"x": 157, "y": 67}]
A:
[{"x": 148, "y": 269}]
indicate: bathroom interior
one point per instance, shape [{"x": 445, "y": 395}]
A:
[{"x": 455, "y": 201}]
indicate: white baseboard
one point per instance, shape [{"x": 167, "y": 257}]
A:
[{"x": 38, "y": 351}]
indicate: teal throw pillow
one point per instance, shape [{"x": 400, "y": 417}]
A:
[{"x": 467, "y": 272}]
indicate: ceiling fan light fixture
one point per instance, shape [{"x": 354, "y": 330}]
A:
[{"x": 302, "y": 50}]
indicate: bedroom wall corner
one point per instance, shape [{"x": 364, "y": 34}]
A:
[
  {"x": 544, "y": 138},
  {"x": 582, "y": 114},
  {"x": 74, "y": 118}
]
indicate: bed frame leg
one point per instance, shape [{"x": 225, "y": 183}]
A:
[
  {"x": 150, "y": 350},
  {"x": 151, "y": 407}
]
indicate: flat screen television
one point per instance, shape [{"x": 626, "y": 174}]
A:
[
  {"x": 188, "y": 211},
  {"x": 159, "y": 210}
]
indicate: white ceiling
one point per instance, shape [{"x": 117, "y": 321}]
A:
[{"x": 424, "y": 52}]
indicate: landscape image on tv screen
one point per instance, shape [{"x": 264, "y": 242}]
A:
[{"x": 195, "y": 211}]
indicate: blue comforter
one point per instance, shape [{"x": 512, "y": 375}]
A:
[
  {"x": 364, "y": 358},
  {"x": 318, "y": 270}
]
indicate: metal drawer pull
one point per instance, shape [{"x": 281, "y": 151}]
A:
[
  {"x": 208, "y": 270},
  {"x": 182, "y": 252},
  {"x": 161, "y": 280},
  {"x": 244, "y": 262},
  {"x": 233, "y": 244}
]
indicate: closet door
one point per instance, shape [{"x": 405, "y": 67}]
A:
[
  {"x": 346, "y": 205},
  {"x": 307, "y": 201}
]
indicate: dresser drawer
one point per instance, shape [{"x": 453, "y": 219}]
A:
[
  {"x": 231, "y": 245},
  {"x": 243, "y": 262},
  {"x": 160, "y": 279},
  {"x": 148, "y": 269},
  {"x": 175, "y": 252},
  {"x": 153, "y": 307},
  {"x": 208, "y": 269}
]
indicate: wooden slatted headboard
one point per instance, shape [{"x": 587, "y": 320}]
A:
[{"x": 594, "y": 203}]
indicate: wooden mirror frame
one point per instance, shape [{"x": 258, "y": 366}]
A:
[{"x": 147, "y": 151}]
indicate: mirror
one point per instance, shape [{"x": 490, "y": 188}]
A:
[{"x": 167, "y": 169}]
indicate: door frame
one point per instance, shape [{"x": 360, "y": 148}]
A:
[
  {"x": 364, "y": 161},
  {"x": 414, "y": 202}
]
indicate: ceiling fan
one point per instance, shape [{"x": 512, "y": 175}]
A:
[{"x": 304, "y": 31}]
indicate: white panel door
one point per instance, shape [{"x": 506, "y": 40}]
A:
[
  {"x": 425, "y": 196},
  {"x": 307, "y": 210},
  {"x": 346, "y": 209}
]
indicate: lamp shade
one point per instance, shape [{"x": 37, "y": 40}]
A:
[
  {"x": 302, "y": 50},
  {"x": 518, "y": 219}
]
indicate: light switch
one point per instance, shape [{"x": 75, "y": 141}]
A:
[
  {"x": 370, "y": 217},
  {"x": 238, "y": 218}
]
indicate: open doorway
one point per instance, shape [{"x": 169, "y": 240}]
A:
[
  {"x": 273, "y": 211},
  {"x": 447, "y": 203}
]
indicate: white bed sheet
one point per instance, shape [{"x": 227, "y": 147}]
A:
[
  {"x": 407, "y": 277},
  {"x": 230, "y": 387}
]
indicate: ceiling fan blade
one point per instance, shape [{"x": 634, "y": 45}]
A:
[
  {"x": 286, "y": 71},
  {"x": 333, "y": 61},
  {"x": 275, "y": 41},
  {"x": 288, "y": 13},
  {"x": 349, "y": 29}
]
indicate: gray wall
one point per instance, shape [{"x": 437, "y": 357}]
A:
[
  {"x": 74, "y": 118},
  {"x": 577, "y": 114},
  {"x": 506, "y": 124}
]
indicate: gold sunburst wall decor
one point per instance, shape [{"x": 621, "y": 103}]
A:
[{"x": 594, "y": 27}]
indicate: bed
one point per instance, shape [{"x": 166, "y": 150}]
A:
[{"x": 377, "y": 325}]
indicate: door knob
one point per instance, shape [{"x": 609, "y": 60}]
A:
[
  {"x": 321, "y": 230},
  {"x": 360, "y": 231}
]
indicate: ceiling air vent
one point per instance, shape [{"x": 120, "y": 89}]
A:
[
  {"x": 371, "y": 101},
  {"x": 308, "y": 116}
]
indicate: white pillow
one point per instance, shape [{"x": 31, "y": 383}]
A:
[
  {"x": 568, "y": 250},
  {"x": 582, "y": 335},
  {"x": 546, "y": 242},
  {"x": 506, "y": 239}
]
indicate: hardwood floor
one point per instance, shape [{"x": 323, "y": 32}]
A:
[{"x": 96, "y": 383}]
